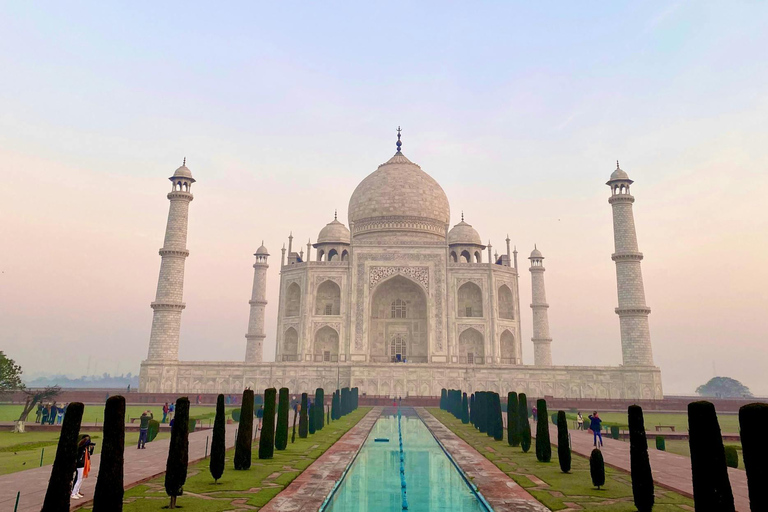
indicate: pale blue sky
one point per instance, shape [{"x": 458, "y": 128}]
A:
[{"x": 518, "y": 110}]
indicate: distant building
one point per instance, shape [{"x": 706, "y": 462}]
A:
[{"x": 400, "y": 304}]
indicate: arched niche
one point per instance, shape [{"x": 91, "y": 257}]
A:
[
  {"x": 471, "y": 346},
  {"x": 506, "y": 303},
  {"x": 399, "y": 313},
  {"x": 326, "y": 346},
  {"x": 507, "y": 347},
  {"x": 293, "y": 300},
  {"x": 469, "y": 300},
  {"x": 290, "y": 345},
  {"x": 333, "y": 255},
  {"x": 328, "y": 299}
]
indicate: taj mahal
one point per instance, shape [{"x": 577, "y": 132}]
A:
[{"x": 399, "y": 303}]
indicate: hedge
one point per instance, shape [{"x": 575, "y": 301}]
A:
[
  {"x": 283, "y": 408},
  {"x": 563, "y": 443},
  {"x": 267, "y": 439},
  {"x": 59, "y": 484},
  {"x": 753, "y": 420},
  {"x": 178, "y": 452},
  {"x": 711, "y": 486},
  {"x": 243, "y": 444},
  {"x": 639, "y": 462},
  {"x": 218, "y": 442},
  {"x": 108, "y": 496},
  {"x": 543, "y": 444}
]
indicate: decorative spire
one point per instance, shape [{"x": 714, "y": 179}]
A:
[
  {"x": 335, "y": 212},
  {"x": 399, "y": 144},
  {"x": 508, "y": 239},
  {"x": 184, "y": 163},
  {"x": 462, "y": 215},
  {"x": 617, "y": 165},
  {"x": 262, "y": 241}
]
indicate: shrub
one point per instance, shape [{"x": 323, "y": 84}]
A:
[
  {"x": 192, "y": 424},
  {"x": 443, "y": 395},
  {"x": 152, "y": 430},
  {"x": 236, "y": 415},
  {"x": 244, "y": 440},
  {"x": 639, "y": 463},
  {"x": 108, "y": 496},
  {"x": 597, "y": 468},
  {"x": 661, "y": 443},
  {"x": 59, "y": 484},
  {"x": 178, "y": 452},
  {"x": 312, "y": 413},
  {"x": 303, "y": 423},
  {"x": 753, "y": 419},
  {"x": 711, "y": 486},
  {"x": 464, "y": 409},
  {"x": 563, "y": 443},
  {"x": 335, "y": 406},
  {"x": 731, "y": 457},
  {"x": 498, "y": 422},
  {"x": 615, "y": 431},
  {"x": 554, "y": 418},
  {"x": 320, "y": 402},
  {"x": 543, "y": 445},
  {"x": 267, "y": 439},
  {"x": 283, "y": 408},
  {"x": 513, "y": 424},
  {"x": 218, "y": 443},
  {"x": 525, "y": 426},
  {"x": 472, "y": 410},
  {"x": 345, "y": 402},
  {"x": 293, "y": 435}
]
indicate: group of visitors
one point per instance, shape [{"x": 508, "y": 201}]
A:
[
  {"x": 168, "y": 412},
  {"x": 84, "y": 451},
  {"x": 595, "y": 425},
  {"x": 50, "y": 413}
]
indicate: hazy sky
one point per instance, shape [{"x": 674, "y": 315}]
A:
[{"x": 518, "y": 110}]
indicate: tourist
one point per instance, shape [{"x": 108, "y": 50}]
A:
[
  {"x": 535, "y": 413},
  {"x": 171, "y": 411},
  {"x": 165, "y": 412},
  {"x": 52, "y": 413},
  {"x": 596, "y": 428},
  {"x": 84, "y": 452},
  {"x": 259, "y": 416},
  {"x": 59, "y": 415},
  {"x": 46, "y": 412},
  {"x": 198, "y": 399},
  {"x": 579, "y": 421},
  {"x": 144, "y": 428},
  {"x": 39, "y": 412}
]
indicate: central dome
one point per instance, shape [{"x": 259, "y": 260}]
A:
[{"x": 399, "y": 198}]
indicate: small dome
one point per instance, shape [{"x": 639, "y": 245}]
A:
[
  {"x": 333, "y": 232},
  {"x": 619, "y": 174},
  {"x": 183, "y": 172},
  {"x": 536, "y": 253},
  {"x": 262, "y": 251},
  {"x": 463, "y": 234}
]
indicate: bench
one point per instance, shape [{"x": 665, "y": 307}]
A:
[
  {"x": 659, "y": 427},
  {"x": 134, "y": 419}
]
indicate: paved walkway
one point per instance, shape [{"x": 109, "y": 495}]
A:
[
  {"x": 140, "y": 465},
  {"x": 499, "y": 490},
  {"x": 670, "y": 471},
  {"x": 309, "y": 490}
]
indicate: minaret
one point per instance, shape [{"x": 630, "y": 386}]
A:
[
  {"x": 166, "y": 322},
  {"x": 632, "y": 311},
  {"x": 542, "y": 349},
  {"x": 254, "y": 346}
]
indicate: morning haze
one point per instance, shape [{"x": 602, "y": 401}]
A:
[{"x": 519, "y": 112}]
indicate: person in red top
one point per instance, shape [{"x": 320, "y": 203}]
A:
[{"x": 84, "y": 452}]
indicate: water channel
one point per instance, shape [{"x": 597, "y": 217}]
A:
[{"x": 373, "y": 482}]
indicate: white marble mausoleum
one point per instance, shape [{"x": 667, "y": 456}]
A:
[{"x": 400, "y": 303}]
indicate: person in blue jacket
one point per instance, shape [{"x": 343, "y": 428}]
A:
[{"x": 596, "y": 428}]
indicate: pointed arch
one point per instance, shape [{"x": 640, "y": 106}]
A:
[
  {"x": 333, "y": 253},
  {"x": 507, "y": 347},
  {"x": 344, "y": 255},
  {"x": 398, "y": 311},
  {"x": 290, "y": 345},
  {"x": 293, "y": 300},
  {"x": 471, "y": 346},
  {"x": 506, "y": 303},
  {"x": 478, "y": 258},
  {"x": 469, "y": 300},
  {"x": 320, "y": 255},
  {"x": 326, "y": 346},
  {"x": 465, "y": 257},
  {"x": 328, "y": 299},
  {"x": 454, "y": 258}
]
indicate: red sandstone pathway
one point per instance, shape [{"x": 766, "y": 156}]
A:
[
  {"x": 503, "y": 493},
  {"x": 140, "y": 466},
  {"x": 309, "y": 490},
  {"x": 670, "y": 471}
]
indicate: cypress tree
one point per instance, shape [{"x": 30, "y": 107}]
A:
[
  {"x": 498, "y": 431},
  {"x": 482, "y": 413},
  {"x": 597, "y": 468},
  {"x": 513, "y": 424},
  {"x": 543, "y": 445},
  {"x": 178, "y": 452},
  {"x": 328, "y": 415},
  {"x": 281, "y": 435},
  {"x": 525, "y": 426},
  {"x": 243, "y": 444},
  {"x": 59, "y": 484},
  {"x": 312, "y": 413},
  {"x": 218, "y": 443},
  {"x": 335, "y": 406},
  {"x": 320, "y": 402},
  {"x": 753, "y": 419},
  {"x": 443, "y": 397},
  {"x": 108, "y": 496},
  {"x": 711, "y": 486},
  {"x": 345, "y": 401},
  {"x": 639, "y": 463},
  {"x": 293, "y": 435},
  {"x": 563, "y": 443},
  {"x": 267, "y": 439},
  {"x": 464, "y": 409},
  {"x": 472, "y": 410},
  {"x": 303, "y": 423}
]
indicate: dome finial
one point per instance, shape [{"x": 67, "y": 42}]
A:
[
  {"x": 399, "y": 144},
  {"x": 462, "y": 215},
  {"x": 335, "y": 213},
  {"x": 617, "y": 165},
  {"x": 184, "y": 162}
]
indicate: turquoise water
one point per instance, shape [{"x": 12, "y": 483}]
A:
[{"x": 373, "y": 482}]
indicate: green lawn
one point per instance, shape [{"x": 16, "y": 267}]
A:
[
  {"x": 254, "y": 487},
  {"x": 95, "y": 413},
  {"x": 553, "y": 488},
  {"x": 729, "y": 423},
  {"x": 22, "y": 451}
]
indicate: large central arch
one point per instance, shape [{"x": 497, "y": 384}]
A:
[{"x": 398, "y": 322}]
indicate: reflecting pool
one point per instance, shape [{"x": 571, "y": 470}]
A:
[{"x": 372, "y": 484}]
